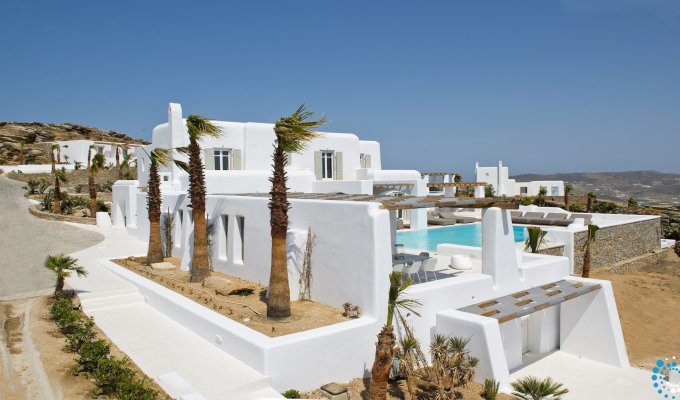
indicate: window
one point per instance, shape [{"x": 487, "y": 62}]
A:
[
  {"x": 222, "y": 159},
  {"x": 523, "y": 190},
  {"x": 327, "y": 164},
  {"x": 100, "y": 149},
  {"x": 554, "y": 190},
  {"x": 166, "y": 178},
  {"x": 486, "y": 174},
  {"x": 365, "y": 160}
]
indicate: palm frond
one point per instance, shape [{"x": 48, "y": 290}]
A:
[
  {"x": 61, "y": 174},
  {"x": 181, "y": 165},
  {"x": 160, "y": 156},
  {"x": 199, "y": 127},
  {"x": 531, "y": 387},
  {"x": 98, "y": 162},
  {"x": 294, "y": 132}
]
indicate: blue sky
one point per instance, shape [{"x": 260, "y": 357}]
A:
[{"x": 545, "y": 86}]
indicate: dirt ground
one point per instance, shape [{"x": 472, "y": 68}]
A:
[
  {"x": 251, "y": 310},
  {"x": 358, "y": 390},
  {"x": 648, "y": 301},
  {"x": 33, "y": 364}
]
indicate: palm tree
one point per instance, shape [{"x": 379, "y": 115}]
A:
[
  {"x": 591, "y": 200},
  {"x": 540, "y": 198},
  {"x": 96, "y": 164},
  {"x": 535, "y": 239},
  {"x": 89, "y": 156},
  {"x": 62, "y": 266},
  {"x": 77, "y": 165},
  {"x": 118, "y": 156},
  {"x": 632, "y": 204},
  {"x": 22, "y": 148},
  {"x": 52, "y": 159},
  {"x": 532, "y": 388},
  {"x": 158, "y": 156},
  {"x": 384, "y": 347},
  {"x": 568, "y": 188},
  {"x": 58, "y": 152},
  {"x": 59, "y": 176},
  {"x": 292, "y": 135},
  {"x": 592, "y": 230},
  {"x": 198, "y": 128}
]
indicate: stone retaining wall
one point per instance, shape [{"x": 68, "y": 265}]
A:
[
  {"x": 618, "y": 243},
  {"x": 60, "y": 217},
  {"x": 552, "y": 251}
]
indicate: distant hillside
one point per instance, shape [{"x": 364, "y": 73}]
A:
[
  {"x": 36, "y": 136},
  {"x": 646, "y": 186}
]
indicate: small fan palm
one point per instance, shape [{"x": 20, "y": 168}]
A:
[
  {"x": 533, "y": 388},
  {"x": 292, "y": 135},
  {"x": 384, "y": 348},
  {"x": 63, "y": 266},
  {"x": 96, "y": 164},
  {"x": 60, "y": 176}
]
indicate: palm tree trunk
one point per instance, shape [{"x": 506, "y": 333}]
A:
[
  {"x": 380, "y": 373},
  {"x": 59, "y": 287},
  {"x": 566, "y": 201},
  {"x": 155, "y": 252},
  {"x": 200, "y": 267},
  {"x": 93, "y": 195},
  {"x": 586, "y": 261},
  {"x": 59, "y": 155},
  {"x": 56, "y": 207},
  {"x": 278, "y": 302}
]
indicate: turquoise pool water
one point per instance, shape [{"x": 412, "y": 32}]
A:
[{"x": 466, "y": 235}]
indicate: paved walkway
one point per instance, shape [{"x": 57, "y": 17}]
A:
[
  {"x": 587, "y": 379},
  {"x": 25, "y": 242},
  {"x": 181, "y": 361}
]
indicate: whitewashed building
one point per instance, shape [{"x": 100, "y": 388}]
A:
[
  {"x": 514, "y": 306},
  {"x": 499, "y": 178},
  {"x": 77, "y": 150}
]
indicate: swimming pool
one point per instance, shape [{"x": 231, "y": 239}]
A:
[{"x": 466, "y": 235}]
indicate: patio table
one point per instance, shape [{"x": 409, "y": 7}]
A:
[{"x": 404, "y": 258}]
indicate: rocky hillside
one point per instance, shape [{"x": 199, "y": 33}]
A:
[
  {"x": 648, "y": 187},
  {"x": 36, "y": 138}
]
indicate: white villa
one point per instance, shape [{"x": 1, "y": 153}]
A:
[
  {"x": 498, "y": 177},
  {"x": 515, "y": 306},
  {"x": 73, "y": 151},
  {"x": 77, "y": 150}
]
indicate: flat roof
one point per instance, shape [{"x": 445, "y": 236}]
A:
[
  {"x": 400, "y": 202},
  {"x": 529, "y": 301}
]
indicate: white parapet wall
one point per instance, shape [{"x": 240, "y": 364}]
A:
[
  {"x": 34, "y": 168},
  {"x": 590, "y": 326}
]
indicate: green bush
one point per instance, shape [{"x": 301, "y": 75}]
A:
[
  {"x": 101, "y": 206},
  {"x": 527, "y": 201},
  {"x": 81, "y": 335},
  {"x": 109, "y": 373},
  {"x": 67, "y": 319},
  {"x": 79, "y": 187},
  {"x": 135, "y": 390},
  {"x": 291, "y": 394},
  {"x": 91, "y": 353}
]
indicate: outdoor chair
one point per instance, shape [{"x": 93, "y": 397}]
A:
[
  {"x": 412, "y": 269},
  {"x": 430, "y": 265}
]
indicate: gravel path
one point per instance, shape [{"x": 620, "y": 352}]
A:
[{"x": 25, "y": 242}]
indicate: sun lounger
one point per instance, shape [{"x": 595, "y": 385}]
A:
[{"x": 586, "y": 217}]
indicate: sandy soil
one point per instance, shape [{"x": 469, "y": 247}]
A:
[
  {"x": 252, "y": 311},
  {"x": 33, "y": 364},
  {"x": 358, "y": 390},
  {"x": 648, "y": 301}
]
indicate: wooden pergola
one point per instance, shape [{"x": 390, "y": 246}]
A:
[{"x": 394, "y": 203}]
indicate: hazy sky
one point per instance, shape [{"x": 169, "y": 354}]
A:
[{"x": 545, "y": 86}]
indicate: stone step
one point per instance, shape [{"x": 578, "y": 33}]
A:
[{"x": 112, "y": 301}]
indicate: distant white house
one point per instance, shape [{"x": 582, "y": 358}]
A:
[
  {"x": 72, "y": 151},
  {"x": 77, "y": 150},
  {"x": 498, "y": 177}
]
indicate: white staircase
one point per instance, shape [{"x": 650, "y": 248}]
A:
[{"x": 98, "y": 301}]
